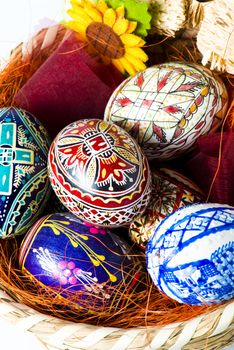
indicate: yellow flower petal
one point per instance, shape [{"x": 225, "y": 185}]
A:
[
  {"x": 75, "y": 3},
  {"x": 84, "y": 12},
  {"x": 80, "y": 15},
  {"x": 127, "y": 66},
  {"x": 135, "y": 62},
  {"x": 131, "y": 27},
  {"x": 120, "y": 12},
  {"x": 137, "y": 52},
  {"x": 77, "y": 27},
  {"x": 93, "y": 13},
  {"x": 102, "y": 6},
  {"x": 81, "y": 36},
  {"x": 118, "y": 65},
  {"x": 79, "y": 18},
  {"x": 131, "y": 40},
  {"x": 109, "y": 17},
  {"x": 120, "y": 27}
]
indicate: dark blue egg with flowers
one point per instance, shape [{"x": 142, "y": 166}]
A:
[
  {"x": 24, "y": 183},
  {"x": 68, "y": 256}
]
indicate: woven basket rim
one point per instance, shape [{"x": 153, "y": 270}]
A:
[{"x": 208, "y": 331}]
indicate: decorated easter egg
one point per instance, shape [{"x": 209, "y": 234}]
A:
[
  {"x": 190, "y": 257},
  {"x": 24, "y": 183},
  {"x": 99, "y": 173},
  {"x": 168, "y": 106},
  {"x": 79, "y": 261},
  {"x": 170, "y": 191}
]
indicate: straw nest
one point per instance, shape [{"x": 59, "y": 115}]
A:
[
  {"x": 211, "y": 23},
  {"x": 151, "y": 322},
  {"x": 215, "y": 39},
  {"x": 169, "y": 17}
]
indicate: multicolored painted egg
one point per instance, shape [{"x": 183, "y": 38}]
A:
[
  {"x": 99, "y": 173},
  {"x": 170, "y": 191},
  {"x": 168, "y": 106},
  {"x": 80, "y": 261},
  {"x": 190, "y": 257},
  {"x": 24, "y": 183}
]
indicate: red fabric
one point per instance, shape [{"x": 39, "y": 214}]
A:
[
  {"x": 70, "y": 85},
  {"x": 203, "y": 165}
]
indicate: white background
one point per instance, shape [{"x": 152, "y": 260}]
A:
[{"x": 19, "y": 20}]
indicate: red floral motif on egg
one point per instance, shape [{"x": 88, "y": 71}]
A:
[
  {"x": 102, "y": 158},
  {"x": 94, "y": 165},
  {"x": 174, "y": 110},
  {"x": 166, "y": 107}
]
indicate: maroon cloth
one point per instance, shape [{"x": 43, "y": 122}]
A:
[
  {"x": 70, "y": 85},
  {"x": 203, "y": 165}
]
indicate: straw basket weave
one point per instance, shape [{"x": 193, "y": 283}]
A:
[{"x": 210, "y": 331}]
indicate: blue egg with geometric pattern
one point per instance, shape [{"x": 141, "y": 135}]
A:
[
  {"x": 24, "y": 184},
  {"x": 190, "y": 256},
  {"x": 79, "y": 261}
]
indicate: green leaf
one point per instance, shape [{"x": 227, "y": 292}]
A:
[
  {"x": 135, "y": 11},
  {"x": 115, "y": 3}
]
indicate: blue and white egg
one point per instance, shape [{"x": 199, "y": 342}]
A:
[
  {"x": 24, "y": 183},
  {"x": 190, "y": 257}
]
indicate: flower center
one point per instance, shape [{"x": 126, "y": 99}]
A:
[{"x": 105, "y": 40}]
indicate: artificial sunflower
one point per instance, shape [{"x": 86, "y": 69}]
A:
[{"x": 109, "y": 33}]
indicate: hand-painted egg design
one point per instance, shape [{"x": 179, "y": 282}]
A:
[
  {"x": 190, "y": 257},
  {"x": 69, "y": 256},
  {"x": 170, "y": 191},
  {"x": 24, "y": 183},
  {"x": 99, "y": 173},
  {"x": 168, "y": 106}
]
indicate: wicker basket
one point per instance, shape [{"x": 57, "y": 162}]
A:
[{"x": 210, "y": 331}]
